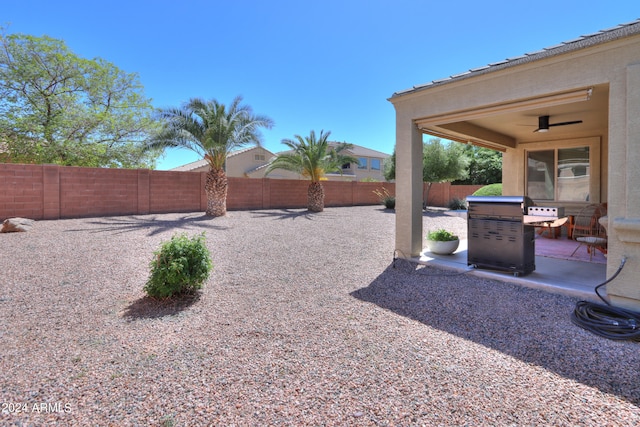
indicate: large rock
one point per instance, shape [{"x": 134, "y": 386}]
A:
[{"x": 11, "y": 225}]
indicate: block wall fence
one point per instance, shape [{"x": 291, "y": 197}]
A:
[{"x": 55, "y": 192}]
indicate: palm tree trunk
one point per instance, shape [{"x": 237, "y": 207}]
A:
[
  {"x": 315, "y": 197},
  {"x": 216, "y": 189}
]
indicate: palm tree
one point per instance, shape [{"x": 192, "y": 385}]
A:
[
  {"x": 213, "y": 131},
  {"x": 313, "y": 158}
]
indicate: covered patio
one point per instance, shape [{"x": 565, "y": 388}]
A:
[
  {"x": 566, "y": 277},
  {"x": 567, "y": 120}
]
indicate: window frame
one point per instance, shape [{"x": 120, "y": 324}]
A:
[{"x": 594, "y": 145}]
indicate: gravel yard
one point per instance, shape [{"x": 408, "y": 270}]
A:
[{"x": 304, "y": 321}]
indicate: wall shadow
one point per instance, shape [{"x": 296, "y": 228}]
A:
[{"x": 528, "y": 324}]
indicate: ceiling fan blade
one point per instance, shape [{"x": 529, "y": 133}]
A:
[{"x": 575, "y": 122}]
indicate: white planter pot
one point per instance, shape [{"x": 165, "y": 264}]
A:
[{"x": 442, "y": 248}]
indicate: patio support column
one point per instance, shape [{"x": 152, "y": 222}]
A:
[
  {"x": 408, "y": 188},
  {"x": 624, "y": 157}
]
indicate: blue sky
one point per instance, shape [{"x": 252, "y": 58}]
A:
[{"x": 329, "y": 64}]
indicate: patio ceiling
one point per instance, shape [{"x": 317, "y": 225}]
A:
[{"x": 509, "y": 124}]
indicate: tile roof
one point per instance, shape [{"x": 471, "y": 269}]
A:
[
  {"x": 190, "y": 166},
  {"x": 359, "y": 150},
  {"x": 603, "y": 36},
  {"x": 356, "y": 150}
]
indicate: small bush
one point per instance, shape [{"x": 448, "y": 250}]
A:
[
  {"x": 489, "y": 190},
  {"x": 457, "y": 204},
  {"x": 386, "y": 199},
  {"x": 181, "y": 266},
  {"x": 441, "y": 235}
]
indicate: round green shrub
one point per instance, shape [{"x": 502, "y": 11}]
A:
[
  {"x": 457, "y": 204},
  {"x": 489, "y": 190},
  {"x": 181, "y": 266}
]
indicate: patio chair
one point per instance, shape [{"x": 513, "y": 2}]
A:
[{"x": 588, "y": 231}]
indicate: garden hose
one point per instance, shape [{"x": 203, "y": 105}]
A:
[{"x": 605, "y": 320}]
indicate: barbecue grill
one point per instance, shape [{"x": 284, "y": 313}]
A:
[{"x": 498, "y": 235}]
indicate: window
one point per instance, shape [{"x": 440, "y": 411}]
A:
[
  {"x": 362, "y": 163},
  {"x": 346, "y": 166},
  {"x": 375, "y": 164},
  {"x": 259, "y": 157},
  {"x": 562, "y": 174}
]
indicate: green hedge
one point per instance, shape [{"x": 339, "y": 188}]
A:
[{"x": 489, "y": 190}]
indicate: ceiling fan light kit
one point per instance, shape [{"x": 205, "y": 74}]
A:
[{"x": 543, "y": 124}]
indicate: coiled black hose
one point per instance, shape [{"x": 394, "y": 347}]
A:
[{"x": 605, "y": 320}]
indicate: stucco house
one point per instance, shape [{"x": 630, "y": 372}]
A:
[
  {"x": 242, "y": 163},
  {"x": 253, "y": 162},
  {"x": 370, "y": 164},
  {"x": 591, "y": 85}
]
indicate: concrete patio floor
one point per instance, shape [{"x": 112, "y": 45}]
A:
[{"x": 573, "y": 278}]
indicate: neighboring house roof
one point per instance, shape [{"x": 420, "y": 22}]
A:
[
  {"x": 356, "y": 150},
  {"x": 603, "y": 36},
  {"x": 202, "y": 162},
  {"x": 190, "y": 166},
  {"x": 359, "y": 151},
  {"x": 257, "y": 168}
]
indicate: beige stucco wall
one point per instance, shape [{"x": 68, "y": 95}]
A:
[
  {"x": 613, "y": 66},
  {"x": 275, "y": 174},
  {"x": 624, "y": 188},
  {"x": 239, "y": 164},
  {"x": 369, "y": 174}
]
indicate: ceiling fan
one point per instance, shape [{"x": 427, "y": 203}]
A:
[{"x": 544, "y": 125}]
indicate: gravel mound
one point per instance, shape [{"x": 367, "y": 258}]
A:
[{"x": 305, "y": 320}]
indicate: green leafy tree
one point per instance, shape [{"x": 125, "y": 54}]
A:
[
  {"x": 312, "y": 158},
  {"x": 56, "y": 107},
  {"x": 485, "y": 166},
  {"x": 442, "y": 163},
  {"x": 389, "y": 170},
  {"x": 212, "y": 130}
]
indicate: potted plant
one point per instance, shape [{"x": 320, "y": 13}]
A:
[{"x": 442, "y": 242}]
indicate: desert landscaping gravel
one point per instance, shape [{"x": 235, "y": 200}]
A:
[{"x": 305, "y": 320}]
